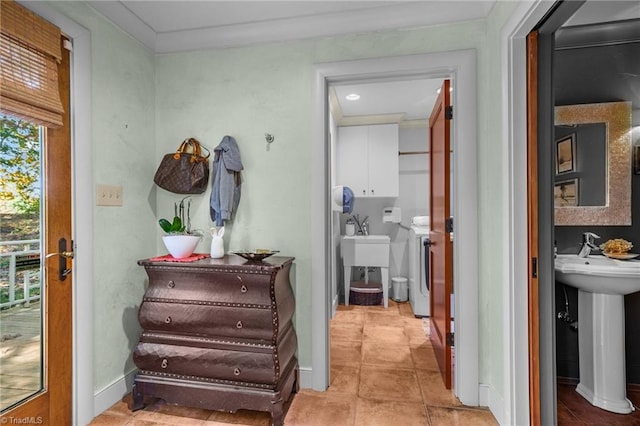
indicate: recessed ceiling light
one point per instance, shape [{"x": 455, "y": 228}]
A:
[{"x": 352, "y": 97}]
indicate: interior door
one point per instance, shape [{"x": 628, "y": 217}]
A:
[
  {"x": 532, "y": 207},
  {"x": 50, "y": 402},
  {"x": 441, "y": 247}
]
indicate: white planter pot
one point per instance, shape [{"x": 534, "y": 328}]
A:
[{"x": 180, "y": 246}]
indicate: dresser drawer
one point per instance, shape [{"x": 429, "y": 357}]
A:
[
  {"x": 207, "y": 363},
  {"x": 228, "y": 288},
  {"x": 207, "y": 320},
  {"x": 262, "y": 366}
]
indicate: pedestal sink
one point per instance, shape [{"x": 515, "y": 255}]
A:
[
  {"x": 366, "y": 250},
  {"x": 602, "y": 284}
]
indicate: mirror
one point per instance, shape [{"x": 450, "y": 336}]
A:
[{"x": 592, "y": 185}]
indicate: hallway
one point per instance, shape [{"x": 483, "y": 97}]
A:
[{"x": 383, "y": 372}]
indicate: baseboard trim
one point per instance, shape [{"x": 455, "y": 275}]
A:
[
  {"x": 489, "y": 398},
  {"x": 306, "y": 377},
  {"x": 110, "y": 394},
  {"x": 567, "y": 381}
]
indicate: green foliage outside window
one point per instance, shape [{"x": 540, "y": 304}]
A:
[{"x": 20, "y": 165}]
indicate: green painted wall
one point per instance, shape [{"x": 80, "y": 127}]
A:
[
  {"x": 246, "y": 92},
  {"x": 492, "y": 199},
  {"x": 123, "y": 144},
  {"x": 144, "y": 106}
]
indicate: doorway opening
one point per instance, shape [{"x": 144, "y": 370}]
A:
[
  {"x": 573, "y": 35},
  {"x": 379, "y": 135},
  {"x": 460, "y": 67}
]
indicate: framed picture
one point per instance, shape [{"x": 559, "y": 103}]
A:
[
  {"x": 636, "y": 159},
  {"x": 565, "y": 154},
  {"x": 565, "y": 193}
]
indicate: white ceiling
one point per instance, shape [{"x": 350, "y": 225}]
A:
[
  {"x": 412, "y": 99},
  {"x": 171, "y": 26}
]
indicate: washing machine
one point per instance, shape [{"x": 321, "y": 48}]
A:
[{"x": 418, "y": 286}]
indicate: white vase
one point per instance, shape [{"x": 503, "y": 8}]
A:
[{"x": 180, "y": 246}]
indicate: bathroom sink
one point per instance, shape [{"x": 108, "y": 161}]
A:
[
  {"x": 366, "y": 250},
  {"x": 598, "y": 274},
  {"x": 602, "y": 284}
]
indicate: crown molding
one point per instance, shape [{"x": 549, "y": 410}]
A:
[
  {"x": 415, "y": 124},
  {"x": 401, "y": 15},
  {"x": 365, "y": 120},
  {"x": 117, "y": 13}
]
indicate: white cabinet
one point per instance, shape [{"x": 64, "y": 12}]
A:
[{"x": 367, "y": 160}]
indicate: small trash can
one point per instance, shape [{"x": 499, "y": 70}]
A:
[{"x": 400, "y": 289}]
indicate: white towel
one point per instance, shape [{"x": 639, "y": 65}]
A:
[{"x": 420, "y": 221}]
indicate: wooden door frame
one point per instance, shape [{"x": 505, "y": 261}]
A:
[
  {"x": 533, "y": 252},
  {"x": 52, "y": 404},
  {"x": 85, "y": 405},
  {"x": 58, "y": 198},
  {"x": 542, "y": 319},
  {"x": 516, "y": 404}
]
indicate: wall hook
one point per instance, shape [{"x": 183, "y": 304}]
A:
[{"x": 269, "y": 137}]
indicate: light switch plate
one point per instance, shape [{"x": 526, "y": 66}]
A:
[{"x": 108, "y": 195}]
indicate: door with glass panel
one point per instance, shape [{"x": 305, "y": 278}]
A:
[{"x": 35, "y": 222}]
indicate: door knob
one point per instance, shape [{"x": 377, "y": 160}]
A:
[{"x": 64, "y": 254}]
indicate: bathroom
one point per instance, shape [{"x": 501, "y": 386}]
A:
[{"x": 582, "y": 56}]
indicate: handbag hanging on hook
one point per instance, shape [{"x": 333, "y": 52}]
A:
[{"x": 185, "y": 171}]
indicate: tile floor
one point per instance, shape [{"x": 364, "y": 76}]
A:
[{"x": 383, "y": 372}]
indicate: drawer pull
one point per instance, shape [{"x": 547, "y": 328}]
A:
[
  {"x": 167, "y": 320},
  {"x": 171, "y": 284},
  {"x": 243, "y": 289},
  {"x": 236, "y": 371},
  {"x": 164, "y": 363},
  {"x": 239, "y": 324}
]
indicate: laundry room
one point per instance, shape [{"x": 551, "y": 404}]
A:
[
  {"x": 390, "y": 155},
  {"x": 380, "y": 152}
]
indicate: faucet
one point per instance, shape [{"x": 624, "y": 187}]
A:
[
  {"x": 588, "y": 244},
  {"x": 363, "y": 227}
]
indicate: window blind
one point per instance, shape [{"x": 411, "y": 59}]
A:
[{"x": 29, "y": 55}]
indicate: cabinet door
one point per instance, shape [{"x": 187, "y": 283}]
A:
[
  {"x": 383, "y": 161},
  {"x": 352, "y": 159}
]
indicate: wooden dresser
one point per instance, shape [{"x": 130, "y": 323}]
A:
[{"x": 217, "y": 334}]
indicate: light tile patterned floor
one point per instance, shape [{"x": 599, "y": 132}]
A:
[{"x": 383, "y": 372}]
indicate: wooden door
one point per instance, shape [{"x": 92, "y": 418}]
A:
[
  {"x": 532, "y": 211},
  {"x": 52, "y": 404},
  {"x": 441, "y": 248}
]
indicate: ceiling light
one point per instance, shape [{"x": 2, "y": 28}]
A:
[{"x": 352, "y": 97}]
